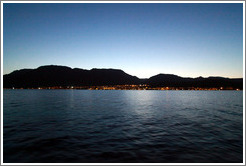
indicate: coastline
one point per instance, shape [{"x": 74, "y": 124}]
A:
[{"x": 128, "y": 87}]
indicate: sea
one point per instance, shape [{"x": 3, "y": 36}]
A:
[{"x": 122, "y": 126}]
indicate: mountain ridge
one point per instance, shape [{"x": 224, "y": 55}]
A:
[{"x": 55, "y": 75}]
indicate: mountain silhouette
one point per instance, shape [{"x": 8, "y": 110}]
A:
[
  {"x": 176, "y": 81},
  {"x": 52, "y": 75}
]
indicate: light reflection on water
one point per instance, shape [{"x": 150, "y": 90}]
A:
[{"x": 122, "y": 126}]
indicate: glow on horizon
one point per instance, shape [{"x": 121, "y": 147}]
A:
[{"x": 189, "y": 40}]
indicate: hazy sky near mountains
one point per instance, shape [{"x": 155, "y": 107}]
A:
[{"x": 141, "y": 39}]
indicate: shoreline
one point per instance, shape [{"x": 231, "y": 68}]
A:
[{"x": 151, "y": 89}]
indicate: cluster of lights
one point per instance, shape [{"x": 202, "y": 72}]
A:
[{"x": 131, "y": 87}]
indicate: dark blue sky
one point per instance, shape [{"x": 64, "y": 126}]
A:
[{"x": 141, "y": 39}]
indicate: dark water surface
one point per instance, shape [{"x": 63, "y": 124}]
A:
[{"x": 122, "y": 126}]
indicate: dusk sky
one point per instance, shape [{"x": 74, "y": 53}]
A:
[{"x": 189, "y": 40}]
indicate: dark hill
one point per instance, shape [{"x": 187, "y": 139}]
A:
[
  {"x": 176, "y": 81},
  {"x": 47, "y": 76},
  {"x": 166, "y": 80}
]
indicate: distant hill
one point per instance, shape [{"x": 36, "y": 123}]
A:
[
  {"x": 52, "y": 75},
  {"x": 176, "y": 81},
  {"x": 65, "y": 76}
]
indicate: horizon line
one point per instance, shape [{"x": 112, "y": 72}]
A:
[{"x": 121, "y": 70}]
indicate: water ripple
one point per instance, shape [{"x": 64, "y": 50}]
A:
[{"x": 122, "y": 126}]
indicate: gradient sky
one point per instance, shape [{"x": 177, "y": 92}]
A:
[{"x": 141, "y": 39}]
